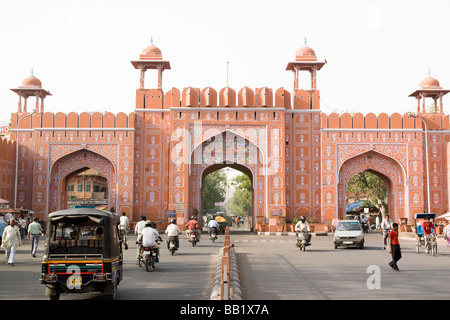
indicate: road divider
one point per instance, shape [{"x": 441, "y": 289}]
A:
[{"x": 226, "y": 283}]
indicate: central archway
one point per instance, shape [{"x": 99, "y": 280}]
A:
[{"x": 227, "y": 149}]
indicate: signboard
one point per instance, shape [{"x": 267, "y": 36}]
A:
[
  {"x": 180, "y": 207},
  {"x": 5, "y": 129},
  {"x": 272, "y": 222},
  {"x": 220, "y": 204},
  {"x": 277, "y": 213},
  {"x": 171, "y": 214}
]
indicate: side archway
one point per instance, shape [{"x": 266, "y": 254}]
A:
[{"x": 70, "y": 164}]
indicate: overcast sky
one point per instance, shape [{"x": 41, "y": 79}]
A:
[{"x": 377, "y": 51}]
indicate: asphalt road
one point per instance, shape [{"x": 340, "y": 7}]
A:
[{"x": 270, "y": 268}]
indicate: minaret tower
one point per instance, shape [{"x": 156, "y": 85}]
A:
[
  {"x": 151, "y": 58},
  {"x": 31, "y": 87},
  {"x": 305, "y": 60},
  {"x": 429, "y": 88}
]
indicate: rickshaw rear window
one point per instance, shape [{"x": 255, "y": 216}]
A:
[{"x": 71, "y": 237}]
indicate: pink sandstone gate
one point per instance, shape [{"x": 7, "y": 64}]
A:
[{"x": 300, "y": 159}]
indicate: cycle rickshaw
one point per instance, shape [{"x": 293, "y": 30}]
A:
[{"x": 418, "y": 230}]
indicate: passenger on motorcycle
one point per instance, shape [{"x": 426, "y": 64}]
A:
[
  {"x": 149, "y": 238},
  {"x": 173, "y": 231},
  {"x": 123, "y": 227},
  {"x": 193, "y": 226},
  {"x": 428, "y": 227},
  {"x": 303, "y": 226},
  {"x": 213, "y": 225}
]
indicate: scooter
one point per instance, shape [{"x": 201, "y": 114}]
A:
[
  {"x": 303, "y": 240},
  {"x": 193, "y": 239},
  {"x": 365, "y": 227},
  {"x": 171, "y": 244}
]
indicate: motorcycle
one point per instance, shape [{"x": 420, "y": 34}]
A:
[
  {"x": 193, "y": 239},
  {"x": 172, "y": 244},
  {"x": 365, "y": 227},
  {"x": 303, "y": 240},
  {"x": 213, "y": 235},
  {"x": 149, "y": 257}
]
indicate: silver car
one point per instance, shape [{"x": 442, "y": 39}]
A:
[{"x": 349, "y": 234}]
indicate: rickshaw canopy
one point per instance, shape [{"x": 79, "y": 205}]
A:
[{"x": 424, "y": 215}]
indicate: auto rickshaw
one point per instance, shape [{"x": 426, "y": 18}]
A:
[
  {"x": 83, "y": 253},
  {"x": 222, "y": 224}
]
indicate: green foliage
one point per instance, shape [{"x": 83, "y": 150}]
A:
[
  {"x": 242, "y": 201},
  {"x": 214, "y": 190},
  {"x": 369, "y": 186}
]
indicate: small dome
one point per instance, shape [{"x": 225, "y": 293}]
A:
[
  {"x": 305, "y": 53},
  {"x": 430, "y": 83},
  {"x": 151, "y": 53},
  {"x": 32, "y": 81}
]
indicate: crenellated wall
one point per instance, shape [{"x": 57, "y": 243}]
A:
[
  {"x": 227, "y": 98},
  {"x": 435, "y": 121}
]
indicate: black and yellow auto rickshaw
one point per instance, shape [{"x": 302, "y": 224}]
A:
[{"x": 83, "y": 253}]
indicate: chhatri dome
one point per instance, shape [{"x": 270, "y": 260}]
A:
[
  {"x": 305, "y": 53},
  {"x": 429, "y": 83},
  {"x": 151, "y": 52},
  {"x": 31, "y": 82}
]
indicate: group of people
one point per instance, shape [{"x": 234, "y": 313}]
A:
[
  {"x": 148, "y": 236},
  {"x": 12, "y": 232}
]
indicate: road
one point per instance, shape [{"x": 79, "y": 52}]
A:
[{"x": 270, "y": 268}]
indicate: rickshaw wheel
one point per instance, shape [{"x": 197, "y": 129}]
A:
[
  {"x": 55, "y": 297},
  {"x": 113, "y": 294}
]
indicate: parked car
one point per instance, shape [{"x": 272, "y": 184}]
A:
[{"x": 349, "y": 233}]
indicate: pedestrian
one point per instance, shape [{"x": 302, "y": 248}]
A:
[
  {"x": 3, "y": 225},
  {"x": 377, "y": 222},
  {"x": 394, "y": 247},
  {"x": 386, "y": 227},
  {"x": 11, "y": 241},
  {"x": 447, "y": 234},
  {"x": 34, "y": 231},
  {"x": 22, "y": 226}
]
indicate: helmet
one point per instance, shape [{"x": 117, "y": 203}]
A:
[
  {"x": 194, "y": 217},
  {"x": 302, "y": 218},
  {"x": 173, "y": 221}
]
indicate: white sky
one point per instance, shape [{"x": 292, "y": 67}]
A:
[{"x": 377, "y": 51}]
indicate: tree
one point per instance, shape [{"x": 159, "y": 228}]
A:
[
  {"x": 242, "y": 201},
  {"x": 369, "y": 186},
  {"x": 214, "y": 190}
]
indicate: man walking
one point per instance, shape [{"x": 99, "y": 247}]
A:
[
  {"x": 394, "y": 247},
  {"x": 34, "y": 231},
  {"x": 386, "y": 227}
]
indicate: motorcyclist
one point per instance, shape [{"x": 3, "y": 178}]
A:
[
  {"x": 428, "y": 228},
  {"x": 149, "y": 238},
  {"x": 137, "y": 231},
  {"x": 364, "y": 223},
  {"x": 213, "y": 225},
  {"x": 303, "y": 226},
  {"x": 172, "y": 230},
  {"x": 193, "y": 226}
]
